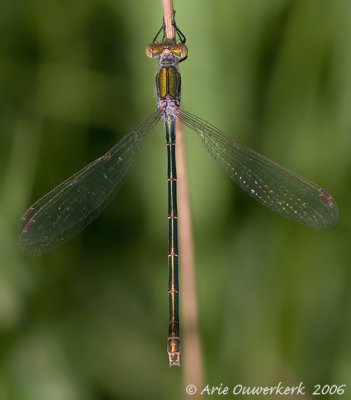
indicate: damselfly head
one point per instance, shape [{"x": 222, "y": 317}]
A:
[{"x": 179, "y": 50}]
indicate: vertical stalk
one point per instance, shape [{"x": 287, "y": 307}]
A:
[{"x": 193, "y": 371}]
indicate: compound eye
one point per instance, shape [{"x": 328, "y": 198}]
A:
[
  {"x": 179, "y": 50},
  {"x": 153, "y": 50},
  {"x": 183, "y": 50}
]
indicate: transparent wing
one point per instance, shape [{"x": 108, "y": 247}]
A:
[
  {"x": 276, "y": 187},
  {"x": 75, "y": 203}
]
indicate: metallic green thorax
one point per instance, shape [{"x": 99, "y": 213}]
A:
[{"x": 168, "y": 83}]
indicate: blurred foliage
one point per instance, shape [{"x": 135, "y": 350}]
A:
[{"x": 89, "y": 321}]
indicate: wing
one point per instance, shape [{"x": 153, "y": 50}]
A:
[
  {"x": 75, "y": 203},
  {"x": 276, "y": 187}
]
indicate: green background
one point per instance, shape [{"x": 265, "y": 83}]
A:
[{"x": 89, "y": 321}]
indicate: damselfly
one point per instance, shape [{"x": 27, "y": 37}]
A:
[{"x": 71, "y": 206}]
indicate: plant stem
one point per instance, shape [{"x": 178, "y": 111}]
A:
[{"x": 193, "y": 371}]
